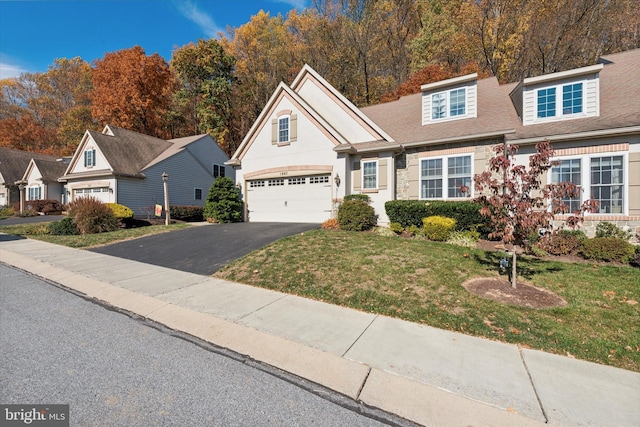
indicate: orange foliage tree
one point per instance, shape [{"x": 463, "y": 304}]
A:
[{"x": 133, "y": 91}]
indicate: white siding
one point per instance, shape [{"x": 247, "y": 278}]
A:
[{"x": 471, "y": 102}]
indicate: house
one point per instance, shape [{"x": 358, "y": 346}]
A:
[
  {"x": 126, "y": 167},
  {"x": 40, "y": 184},
  {"x": 310, "y": 146}
]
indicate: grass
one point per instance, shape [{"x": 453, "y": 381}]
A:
[
  {"x": 38, "y": 231},
  {"x": 420, "y": 281}
]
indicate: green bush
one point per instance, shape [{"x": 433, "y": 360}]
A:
[
  {"x": 406, "y": 212},
  {"x": 364, "y": 197},
  {"x": 396, "y": 227},
  {"x": 438, "y": 228},
  {"x": 608, "y": 229},
  {"x": 7, "y": 212},
  {"x": 64, "y": 227},
  {"x": 187, "y": 213},
  {"x": 120, "y": 211},
  {"x": 91, "y": 216},
  {"x": 564, "y": 242},
  {"x": 223, "y": 202},
  {"x": 411, "y": 212},
  {"x": 607, "y": 249},
  {"x": 356, "y": 215}
]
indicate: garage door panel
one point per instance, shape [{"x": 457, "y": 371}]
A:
[{"x": 299, "y": 199}]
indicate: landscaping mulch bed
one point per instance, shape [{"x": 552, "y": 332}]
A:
[{"x": 525, "y": 295}]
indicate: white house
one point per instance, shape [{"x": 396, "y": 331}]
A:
[
  {"x": 427, "y": 145},
  {"x": 126, "y": 167}
]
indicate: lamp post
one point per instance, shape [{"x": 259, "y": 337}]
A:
[
  {"x": 165, "y": 181},
  {"x": 22, "y": 187}
]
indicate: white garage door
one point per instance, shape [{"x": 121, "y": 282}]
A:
[
  {"x": 295, "y": 199},
  {"x": 100, "y": 193}
]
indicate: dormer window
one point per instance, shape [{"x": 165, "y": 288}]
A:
[
  {"x": 283, "y": 129},
  {"x": 571, "y": 100},
  {"x": 450, "y": 103}
]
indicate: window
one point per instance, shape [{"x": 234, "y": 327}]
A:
[
  {"x": 456, "y": 174},
  {"x": 601, "y": 178},
  {"x": 572, "y": 101},
  {"x": 283, "y": 129},
  {"x": 456, "y": 99},
  {"x": 297, "y": 181},
  {"x": 254, "y": 184},
  {"x": 90, "y": 158},
  {"x": 370, "y": 175},
  {"x": 34, "y": 193},
  {"x": 197, "y": 193},
  {"x": 320, "y": 179},
  {"x": 218, "y": 171},
  {"x": 547, "y": 102},
  {"x": 276, "y": 182},
  {"x": 568, "y": 171},
  {"x": 607, "y": 183}
]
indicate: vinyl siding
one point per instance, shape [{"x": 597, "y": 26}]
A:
[{"x": 471, "y": 102}]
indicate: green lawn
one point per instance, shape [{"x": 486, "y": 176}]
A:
[
  {"x": 38, "y": 230},
  {"x": 421, "y": 281}
]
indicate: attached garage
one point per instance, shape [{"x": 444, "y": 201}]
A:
[
  {"x": 100, "y": 193},
  {"x": 289, "y": 199}
]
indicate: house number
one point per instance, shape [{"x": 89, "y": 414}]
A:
[{"x": 284, "y": 173}]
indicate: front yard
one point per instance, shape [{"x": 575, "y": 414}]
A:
[{"x": 421, "y": 281}]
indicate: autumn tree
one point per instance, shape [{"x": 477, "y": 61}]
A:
[
  {"x": 517, "y": 202},
  {"x": 133, "y": 91},
  {"x": 205, "y": 75}
]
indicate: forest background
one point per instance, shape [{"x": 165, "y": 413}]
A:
[{"x": 370, "y": 50}]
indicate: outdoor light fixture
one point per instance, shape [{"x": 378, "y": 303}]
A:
[
  {"x": 165, "y": 179},
  {"x": 337, "y": 180}
]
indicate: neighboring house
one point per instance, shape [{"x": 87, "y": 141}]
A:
[
  {"x": 41, "y": 179},
  {"x": 13, "y": 164},
  {"x": 126, "y": 167},
  {"x": 427, "y": 145}
]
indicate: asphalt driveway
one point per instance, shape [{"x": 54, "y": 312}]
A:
[{"x": 203, "y": 249}]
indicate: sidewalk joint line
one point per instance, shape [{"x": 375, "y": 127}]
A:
[
  {"x": 359, "y": 336},
  {"x": 364, "y": 382},
  {"x": 533, "y": 385},
  {"x": 260, "y": 308}
]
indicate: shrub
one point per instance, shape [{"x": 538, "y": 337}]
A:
[
  {"x": 223, "y": 202},
  {"x": 64, "y": 227},
  {"x": 356, "y": 215},
  {"x": 91, "y": 216},
  {"x": 412, "y": 212},
  {"x": 396, "y": 227},
  {"x": 364, "y": 197},
  {"x": 36, "y": 229},
  {"x": 607, "y": 249},
  {"x": 6, "y": 212},
  {"x": 45, "y": 206},
  {"x": 120, "y": 211},
  {"x": 406, "y": 212},
  {"x": 468, "y": 239},
  {"x": 413, "y": 230},
  {"x": 384, "y": 231},
  {"x": 331, "y": 224},
  {"x": 564, "y": 242},
  {"x": 438, "y": 228},
  {"x": 187, "y": 213},
  {"x": 635, "y": 261},
  {"x": 608, "y": 229}
]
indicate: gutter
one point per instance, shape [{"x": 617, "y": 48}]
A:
[
  {"x": 580, "y": 135},
  {"x": 487, "y": 135}
]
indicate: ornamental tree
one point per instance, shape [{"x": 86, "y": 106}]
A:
[{"x": 517, "y": 203}]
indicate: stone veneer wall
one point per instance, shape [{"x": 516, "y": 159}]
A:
[{"x": 627, "y": 223}]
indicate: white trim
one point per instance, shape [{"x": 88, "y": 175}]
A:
[
  {"x": 363, "y": 161},
  {"x": 592, "y": 69},
  {"x": 449, "y": 82},
  {"x": 559, "y": 101}
]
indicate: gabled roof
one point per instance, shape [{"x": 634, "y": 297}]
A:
[
  {"x": 13, "y": 163},
  {"x": 402, "y": 118},
  {"x": 50, "y": 170},
  {"x": 378, "y": 135},
  {"x": 619, "y": 104},
  {"x": 178, "y": 145}
]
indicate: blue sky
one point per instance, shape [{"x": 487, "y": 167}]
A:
[{"x": 35, "y": 32}]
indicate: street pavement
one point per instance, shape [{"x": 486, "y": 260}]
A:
[
  {"x": 425, "y": 375},
  {"x": 113, "y": 370}
]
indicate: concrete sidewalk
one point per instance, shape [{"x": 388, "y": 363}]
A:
[{"x": 426, "y": 375}]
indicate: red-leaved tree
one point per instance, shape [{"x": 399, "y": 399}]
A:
[{"x": 517, "y": 203}]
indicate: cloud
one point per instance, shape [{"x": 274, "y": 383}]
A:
[
  {"x": 190, "y": 11},
  {"x": 298, "y": 4},
  {"x": 8, "y": 71}
]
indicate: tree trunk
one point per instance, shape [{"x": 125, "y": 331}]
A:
[{"x": 513, "y": 267}]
